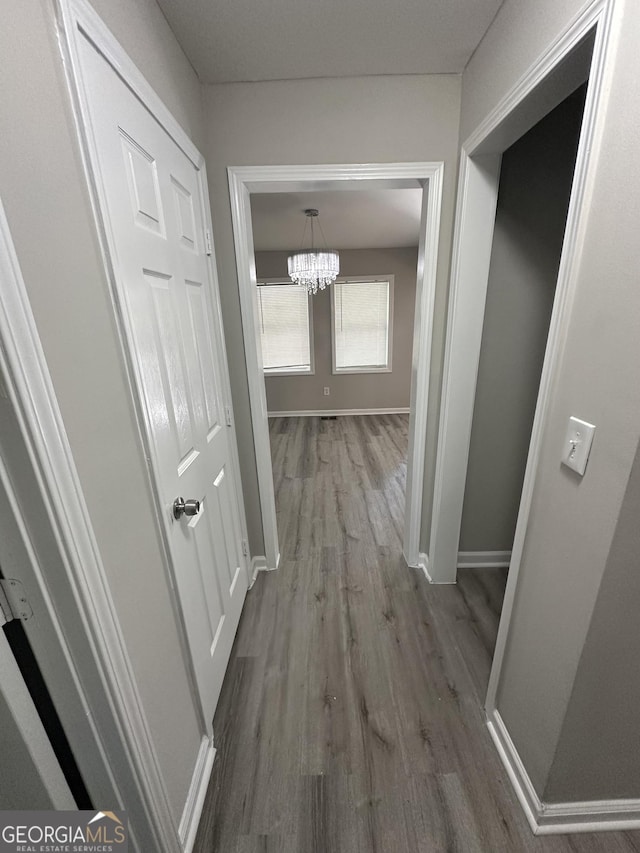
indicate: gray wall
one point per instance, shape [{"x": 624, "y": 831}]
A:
[
  {"x": 363, "y": 391},
  {"x": 535, "y": 185},
  {"x": 361, "y": 120},
  {"x": 597, "y": 755},
  {"x": 573, "y": 520},
  {"x": 44, "y": 193}
]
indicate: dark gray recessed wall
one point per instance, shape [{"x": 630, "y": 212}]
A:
[{"x": 535, "y": 186}]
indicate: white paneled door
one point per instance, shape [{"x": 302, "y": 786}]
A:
[{"x": 154, "y": 198}]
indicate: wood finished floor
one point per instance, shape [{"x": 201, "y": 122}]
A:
[{"x": 351, "y": 719}]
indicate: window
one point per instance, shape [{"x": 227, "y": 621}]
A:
[
  {"x": 361, "y": 319},
  {"x": 284, "y": 314}
]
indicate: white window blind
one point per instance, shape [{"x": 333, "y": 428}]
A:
[
  {"x": 284, "y": 328},
  {"x": 361, "y": 311}
]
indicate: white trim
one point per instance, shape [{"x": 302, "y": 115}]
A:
[
  {"x": 421, "y": 361},
  {"x": 259, "y": 564},
  {"x": 465, "y": 296},
  {"x": 197, "y": 793},
  {"x": 476, "y": 206},
  {"x": 561, "y": 47},
  {"x": 243, "y": 239},
  {"x": 600, "y": 13},
  {"x": 332, "y": 413},
  {"x": 80, "y": 16},
  {"x": 477, "y": 194},
  {"x": 589, "y": 816},
  {"x": 272, "y": 372},
  {"x": 558, "y": 818},
  {"x": 483, "y": 559},
  {"x": 518, "y": 776},
  {"x": 121, "y": 728},
  {"x": 246, "y": 179},
  {"x": 423, "y": 563},
  {"x": 349, "y": 371}
]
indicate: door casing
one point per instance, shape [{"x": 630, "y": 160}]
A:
[
  {"x": 539, "y": 90},
  {"x": 245, "y": 180}
]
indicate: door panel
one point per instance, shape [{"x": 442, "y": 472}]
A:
[
  {"x": 168, "y": 338},
  {"x": 200, "y": 334},
  {"x": 143, "y": 186},
  {"x": 154, "y": 211},
  {"x": 185, "y": 216},
  {"x": 230, "y": 557}
]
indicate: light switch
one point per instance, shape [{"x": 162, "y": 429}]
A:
[{"x": 577, "y": 445}]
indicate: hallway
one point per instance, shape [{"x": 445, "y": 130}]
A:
[{"x": 351, "y": 714}]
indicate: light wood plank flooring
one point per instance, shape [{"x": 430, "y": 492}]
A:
[{"x": 351, "y": 715}]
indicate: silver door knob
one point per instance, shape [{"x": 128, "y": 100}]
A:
[{"x": 182, "y": 507}]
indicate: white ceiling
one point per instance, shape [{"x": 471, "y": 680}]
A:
[
  {"x": 233, "y": 40},
  {"x": 376, "y": 219}
]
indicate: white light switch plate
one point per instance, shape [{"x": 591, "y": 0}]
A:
[{"x": 577, "y": 445}]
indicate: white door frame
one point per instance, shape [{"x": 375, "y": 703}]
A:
[
  {"x": 78, "y": 20},
  {"x": 535, "y": 94},
  {"x": 79, "y": 644},
  {"x": 519, "y": 110},
  {"x": 245, "y": 180}
]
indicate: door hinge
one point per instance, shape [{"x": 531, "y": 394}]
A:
[
  {"x": 227, "y": 410},
  {"x": 207, "y": 241},
  {"x": 245, "y": 547},
  {"x": 13, "y": 601}
]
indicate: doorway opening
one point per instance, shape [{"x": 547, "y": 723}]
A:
[
  {"x": 337, "y": 364},
  {"x": 248, "y": 182},
  {"x": 581, "y": 53},
  {"x": 534, "y": 192}
]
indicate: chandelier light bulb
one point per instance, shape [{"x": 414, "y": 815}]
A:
[{"x": 313, "y": 268}]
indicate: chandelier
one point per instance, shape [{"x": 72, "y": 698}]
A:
[{"x": 313, "y": 268}]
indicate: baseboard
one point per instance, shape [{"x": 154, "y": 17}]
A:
[
  {"x": 483, "y": 559},
  {"x": 316, "y": 413},
  {"x": 516, "y": 771},
  {"x": 197, "y": 792},
  {"x": 593, "y": 816},
  {"x": 259, "y": 564},
  {"x": 423, "y": 563},
  {"x": 559, "y": 818}
]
